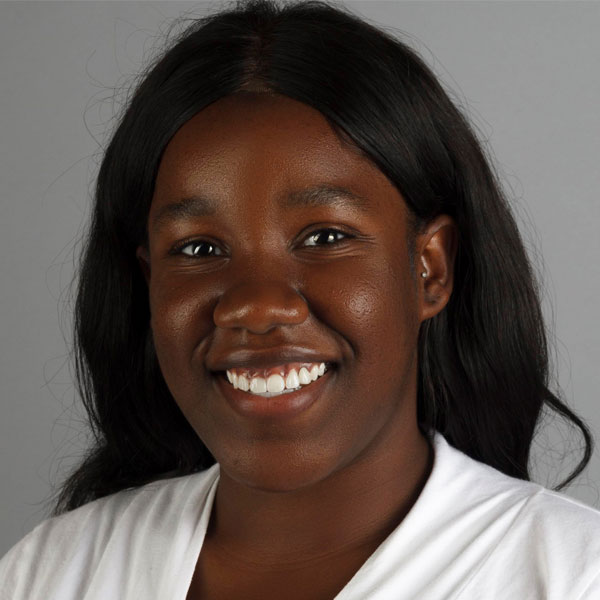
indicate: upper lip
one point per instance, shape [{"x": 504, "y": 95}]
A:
[{"x": 265, "y": 358}]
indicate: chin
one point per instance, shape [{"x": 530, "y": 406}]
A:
[{"x": 279, "y": 473}]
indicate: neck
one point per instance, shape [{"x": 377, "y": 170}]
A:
[{"x": 356, "y": 507}]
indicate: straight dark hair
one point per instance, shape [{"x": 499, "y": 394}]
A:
[{"x": 483, "y": 361}]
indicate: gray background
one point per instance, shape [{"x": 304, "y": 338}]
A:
[{"x": 527, "y": 74}]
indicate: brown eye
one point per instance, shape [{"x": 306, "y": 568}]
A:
[
  {"x": 325, "y": 237},
  {"x": 199, "y": 249}
]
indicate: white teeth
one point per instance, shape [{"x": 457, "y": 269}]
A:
[
  {"x": 292, "y": 380},
  {"x": 304, "y": 376},
  {"x": 258, "y": 385},
  {"x": 314, "y": 372},
  {"x": 275, "y": 383},
  {"x": 243, "y": 384}
]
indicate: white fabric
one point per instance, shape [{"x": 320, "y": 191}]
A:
[{"x": 473, "y": 533}]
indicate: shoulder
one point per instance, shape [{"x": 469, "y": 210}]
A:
[
  {"x": 550, "y": 511},
  {"x": 479, "y": 487},
  {"x": 529, "y": 537},
  {"x": 63, "y": 550},
  {"x": 455, "y": 470}
]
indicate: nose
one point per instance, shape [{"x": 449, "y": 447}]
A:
[{"x": 260, "y": 307}]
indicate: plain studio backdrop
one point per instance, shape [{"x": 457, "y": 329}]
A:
[{"x": 526, "y": 73}]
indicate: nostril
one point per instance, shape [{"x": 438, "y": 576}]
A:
[{"x": 260, "y": 307}]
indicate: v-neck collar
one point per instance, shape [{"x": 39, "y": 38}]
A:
[{"x": 366, "y": 575}]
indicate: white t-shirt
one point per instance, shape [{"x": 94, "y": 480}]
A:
[{"x": 473, "y": 533}]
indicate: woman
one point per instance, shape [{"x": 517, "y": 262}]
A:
[{"x": 309, "y": 341}]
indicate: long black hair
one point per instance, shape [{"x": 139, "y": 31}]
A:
[{"x": 483, "y": 361}]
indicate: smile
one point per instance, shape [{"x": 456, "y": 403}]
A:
[{"x": 275, "y": 381}]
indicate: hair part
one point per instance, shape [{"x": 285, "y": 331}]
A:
[{"x": 483, "y": 361}]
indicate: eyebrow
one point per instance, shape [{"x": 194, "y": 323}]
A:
[{"x": 201, "y": 206}]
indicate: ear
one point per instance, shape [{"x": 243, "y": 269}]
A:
[
  {"x": 436, "y": 249},
  {"x": 143, "y": 257}
]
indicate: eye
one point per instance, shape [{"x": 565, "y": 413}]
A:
[
  {"x": 198, "y": 248},
  {"x": 325, "y": 237}
]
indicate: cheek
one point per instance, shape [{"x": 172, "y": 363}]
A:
[
  {"x": 374, "y": 315},
  {"x": 181, "y": 317},
  {"x": 373, "y": 303},
  {"x": 373, "y": 308}
]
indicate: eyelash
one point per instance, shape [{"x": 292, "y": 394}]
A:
[{"x": 178, "y": 249}]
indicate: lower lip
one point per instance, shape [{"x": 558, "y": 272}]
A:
[{"x": 277, "y": 407}]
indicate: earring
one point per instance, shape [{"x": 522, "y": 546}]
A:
[{"x": 424, "y": 274}]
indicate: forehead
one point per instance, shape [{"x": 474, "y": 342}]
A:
[{"x": 265, "y": 146}]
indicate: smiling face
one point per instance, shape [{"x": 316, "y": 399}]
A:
[{"x": 273, "y": 244}]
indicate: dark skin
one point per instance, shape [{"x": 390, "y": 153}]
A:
[{"x": 302, "y": 500}]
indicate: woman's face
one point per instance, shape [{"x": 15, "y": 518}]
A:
[{"x": 272, "y": 245}]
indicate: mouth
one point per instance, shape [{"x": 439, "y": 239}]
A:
[
  {"x": 279, "y": 391},
  {"x": 274, "y": 381}
]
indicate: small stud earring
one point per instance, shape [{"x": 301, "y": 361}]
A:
[{"x": 424, "y": 274}]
